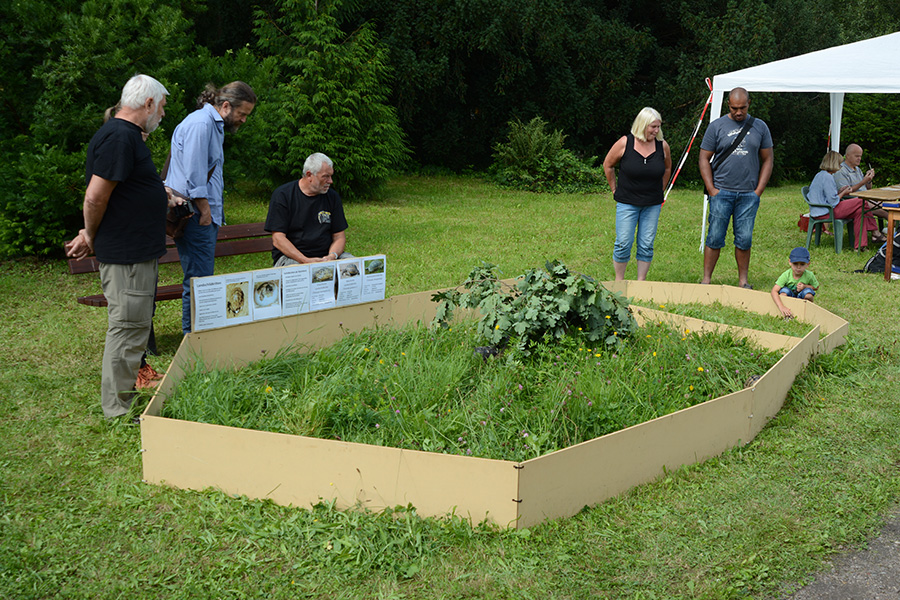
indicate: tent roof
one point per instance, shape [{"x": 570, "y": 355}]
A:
[{"x": 869, "y": 66}]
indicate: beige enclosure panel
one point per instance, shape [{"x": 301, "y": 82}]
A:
[
  {"x": 562, "y": 483},
  {"x": 299, "y": 471}
]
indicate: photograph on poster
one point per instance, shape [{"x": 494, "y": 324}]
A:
[
  {"x": 266, "y": 294},
  {"x": 374, "y": 279},
  {"x": 321, "y": 289},
  {"x": 349, "y": 282}
]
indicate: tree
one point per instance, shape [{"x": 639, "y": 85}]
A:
[
  {"x": 465, "y": 68},
  {"x": 333, "y": 98}
]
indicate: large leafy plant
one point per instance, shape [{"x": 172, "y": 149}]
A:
[{"x": 541, "y": 307}]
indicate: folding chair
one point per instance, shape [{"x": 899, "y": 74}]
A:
[{"x": 837, "y": 225}]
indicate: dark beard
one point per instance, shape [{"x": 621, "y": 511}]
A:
[{"x": 230, "y": 125}]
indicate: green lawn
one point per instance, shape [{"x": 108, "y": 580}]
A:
[{"x": 77, "y": 522}]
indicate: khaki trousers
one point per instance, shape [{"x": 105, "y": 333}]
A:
[{"x": 129, "y": 290}]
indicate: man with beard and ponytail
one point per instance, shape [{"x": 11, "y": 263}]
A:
[
  {"x": 194, "y": 171},
  {"x": 125, "y": 227}
]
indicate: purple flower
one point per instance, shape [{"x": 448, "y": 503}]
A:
[{"x": 377, "y": 425}]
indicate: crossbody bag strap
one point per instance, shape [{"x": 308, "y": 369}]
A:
[
  {"x": 737, "y": 142},
  {"x": 165, "y": 170}
]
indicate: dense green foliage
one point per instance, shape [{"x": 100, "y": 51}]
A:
[
  {"x": 542, "y": 307},
  {"x": 332, "y": 97},
  {"x": 867, "y": 123},
  {"x": 424, "y": 389},
  {"x": 537, "y": 160}
]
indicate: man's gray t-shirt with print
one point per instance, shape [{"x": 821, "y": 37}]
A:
[
  {"x": 740, "y": 171},
  {"x": 847, "y": 175}
]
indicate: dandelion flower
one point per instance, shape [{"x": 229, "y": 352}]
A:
[
  {"x": 690, "y": 387},
  {"x": 403, "y": 354},
  {"x": 700, "y": 369},
  {"x": 365, "y": 349},
  {"x": 268, "y": 389},
  {"x": 608, "y": 317},
  {"x": 654, "y": 354}
]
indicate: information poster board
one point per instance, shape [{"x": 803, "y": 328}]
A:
[{"x": 236, "y": 298}]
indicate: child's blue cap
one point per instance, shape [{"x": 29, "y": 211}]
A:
[{"x": 800, "y": 254}]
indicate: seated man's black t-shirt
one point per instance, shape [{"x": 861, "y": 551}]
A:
[
  {"x": 133, "y": 228},
  {"x": 308, "y": 221}
]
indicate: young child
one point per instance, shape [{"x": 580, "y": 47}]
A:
[{"x": 796, "y": 282}]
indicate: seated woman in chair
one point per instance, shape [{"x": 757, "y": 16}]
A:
[{"x": 823, "y": 190}]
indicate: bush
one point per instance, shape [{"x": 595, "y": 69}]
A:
[
  {"x": 536, "y": 160},
  {"x": 42, "y": 206}
]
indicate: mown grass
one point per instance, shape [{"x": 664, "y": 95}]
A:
[{"x": 77, "y": 522}]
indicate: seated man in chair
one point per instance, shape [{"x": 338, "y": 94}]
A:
[{"x": 306, "y": 217}]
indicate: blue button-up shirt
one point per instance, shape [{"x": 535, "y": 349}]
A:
[{"x": 197, "y": 149}]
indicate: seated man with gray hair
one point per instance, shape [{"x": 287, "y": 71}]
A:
[{"x": 306, "y": 217}]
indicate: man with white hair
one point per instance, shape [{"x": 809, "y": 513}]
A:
[
  {"x": 125, "y": 227},
  {"x": 306, "y": 217}
]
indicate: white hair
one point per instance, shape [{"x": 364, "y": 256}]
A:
[
  {"x": 139, "y": 88},
  {"x": 313, "y": 163}
]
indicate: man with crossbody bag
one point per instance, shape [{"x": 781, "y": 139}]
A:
[
  {"x": 740, "y": 148},
  {"x": 195, "y": 172}
]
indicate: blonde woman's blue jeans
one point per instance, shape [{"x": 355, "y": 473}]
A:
[{"x": 631, "y": 219}]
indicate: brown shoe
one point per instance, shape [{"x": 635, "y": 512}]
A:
[
  {"x": 147, "y": 378},
  {"x": 150, "y": 373}
]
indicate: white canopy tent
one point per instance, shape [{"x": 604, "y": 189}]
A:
[{"x": 869, "y": 67}]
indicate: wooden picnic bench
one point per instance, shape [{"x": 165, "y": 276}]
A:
[{"x": 232, "y": 240}]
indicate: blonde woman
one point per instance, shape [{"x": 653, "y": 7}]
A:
[{"x": 645, "y": 164}]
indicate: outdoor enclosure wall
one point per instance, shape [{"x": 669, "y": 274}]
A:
[{"x": 299, "y": 471}]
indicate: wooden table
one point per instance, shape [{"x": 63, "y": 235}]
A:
[{"x": 882, "y": 195}]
